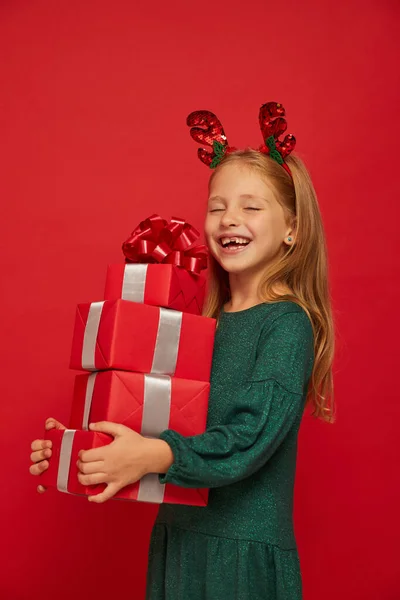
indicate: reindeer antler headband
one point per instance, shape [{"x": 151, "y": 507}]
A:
[{"x": 207, "y": 129}]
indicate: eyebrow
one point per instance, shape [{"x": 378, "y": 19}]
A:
[{"x": 242, "y": 197}]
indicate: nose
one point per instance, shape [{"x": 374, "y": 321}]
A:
[{"x": 230, "y": 217}]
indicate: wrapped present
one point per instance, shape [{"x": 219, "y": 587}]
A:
[
  {"x": 138, "y": 337},
  {"x": 62, "y": 473},
  {"x": 163, "y": 267},
  {"x": 159, "y": 285},
  {"x": 147, "y": 403}
]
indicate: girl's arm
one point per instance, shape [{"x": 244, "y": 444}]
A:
[{"x": 261, "y": 414}]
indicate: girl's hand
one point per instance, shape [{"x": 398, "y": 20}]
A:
[
  {"x": 42, "y": 451},
  {"x": 126, "y": 460}
]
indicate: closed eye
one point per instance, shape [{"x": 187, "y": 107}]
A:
[{"x": 212, "y": 210}]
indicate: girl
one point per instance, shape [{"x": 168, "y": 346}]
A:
[{"x": 273, "y": 354}]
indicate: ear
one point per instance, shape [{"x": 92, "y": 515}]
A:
[{"x": 291, "y": 232}]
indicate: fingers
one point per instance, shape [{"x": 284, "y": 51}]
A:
[
  {"x": 41, "y": 444},
  {"x": 90, "y": 467},
  {"x": 52, "y": 423},
  {"x": 108, "y": 493},
  {"x": 92, "y": 455},
  {"x": 114, "y": 429},
  {"x": 92, "y": 478},
  {"x": 40, "y": 455},
  {"x": 41, "y": 489},
  {"x": 39, "y": 467}
]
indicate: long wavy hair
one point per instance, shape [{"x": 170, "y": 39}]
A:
[{"x": 302, "y": 268}]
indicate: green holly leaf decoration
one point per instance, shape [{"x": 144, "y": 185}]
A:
[
  {"x": 215, "y": 162},
  {"x": 219, "y": 149},
  {"x": 219, "y": 153},
  {"x": 273, "y": 152},
  {"x": 270, "y": 142}
]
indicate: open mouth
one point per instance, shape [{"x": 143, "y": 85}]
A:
[{"x": 233, "y": 243}]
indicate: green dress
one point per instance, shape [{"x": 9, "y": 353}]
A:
[{"x": 242, "y": 545}]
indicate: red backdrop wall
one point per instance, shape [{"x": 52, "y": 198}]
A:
[{"x": 94, "y": 97}]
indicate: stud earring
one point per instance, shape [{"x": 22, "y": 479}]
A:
[{"x": 289, "y": 239}]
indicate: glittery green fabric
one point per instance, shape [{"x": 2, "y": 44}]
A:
[{"x": 242, "y": 545}]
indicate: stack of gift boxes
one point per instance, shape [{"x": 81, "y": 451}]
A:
[{"x": 147, "y": 352}]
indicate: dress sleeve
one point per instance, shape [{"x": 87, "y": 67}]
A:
[{"x": 260, "y": 415}]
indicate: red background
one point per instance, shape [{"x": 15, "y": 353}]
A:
[{"x": 94, "y": 97}]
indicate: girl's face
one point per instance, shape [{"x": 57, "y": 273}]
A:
[{"x": 245, "y": 225}]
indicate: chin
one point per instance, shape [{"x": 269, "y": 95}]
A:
[{"x": 234, "y": 266}]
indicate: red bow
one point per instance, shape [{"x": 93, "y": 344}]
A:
[{"x": 156, "y": 241}]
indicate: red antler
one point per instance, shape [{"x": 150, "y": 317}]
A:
[
  {"x": 206, "y": 129},
  {"x": 287, "y": 145},
  {"x": 271, "y": 120},
  {"x": 273, "y": 123}
]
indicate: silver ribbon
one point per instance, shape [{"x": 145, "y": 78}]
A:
[
  {"x": 166, "y": 345},
  {"x": 167, "y": 341},
  {"x": 90, "y": 336},
  {"x": 65, "y": 460},
  {"x": 155, "y": 419},
  {"x": 134, "y": 282},
  {"x": 88, "y": 400}
]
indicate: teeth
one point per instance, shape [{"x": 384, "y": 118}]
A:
[{"x": 237, "y": 240}]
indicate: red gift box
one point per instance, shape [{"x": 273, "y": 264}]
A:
[
  {"x": 159, "y": 285},
  {"x": 148, "y": 404},
  {"x": 138, "y": 337},
  {"x": 62, "y": 473},
  {"x": 164, "y": 266}
]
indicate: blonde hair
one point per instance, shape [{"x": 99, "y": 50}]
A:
[{"x": 303, "y": 268}]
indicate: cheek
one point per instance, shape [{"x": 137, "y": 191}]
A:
[
  {"x": 267, "y": 229},
  {"x": 261, "y": 228},
  {"x": 208, "y": 228}
]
